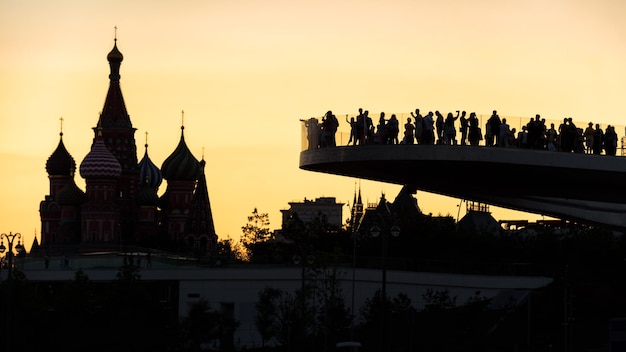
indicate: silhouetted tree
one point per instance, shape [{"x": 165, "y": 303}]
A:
[
  {"x": 255, "y": 231},
  {"x": 225, "y": 251},
  {"x": 437, "y": 300}
]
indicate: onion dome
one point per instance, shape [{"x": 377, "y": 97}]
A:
[
  {"x": 148, "y": 172},
  {"x": 147, "y": 195},
  {"x": 70, "y": 194},
  {"x": 115, "y": 58},
  {"x": 181, "y": 164},
  {"x": 61, "y": 163},
  {"x": 99, "y": 162},
  {"x": 115, "y": 55}
]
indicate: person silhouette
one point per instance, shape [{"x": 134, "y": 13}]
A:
[
  {"x": 492, "y": 132},
  {"x": 588, "y": 135},
  {"x": 610, "y": 141},
  {"x": 475, "y": 134},
  {"x": 360, "y": 128},
  {"x": 353, "y": 130},
  {"x": 419, "y": 125},
  {"x": 598, "y": 139},
  {"x": 380, "y": 136},
  {"x": 439, "y": 125},
  {"x": 504, "y": 132},
  {"x": 449, "y": 129},
  {"x": 464, "y": 122},
  {"x": 329, "y": 128},
  {"x": 408, "y": 132},
  {"x": 313, "y": 132},
  {"x": 392, "y": 130}
]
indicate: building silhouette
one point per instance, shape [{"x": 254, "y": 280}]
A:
[
  {"x": 307, "y": 211},
  {"x": 478, "y": 219},
  {"x": 356, "y": 212},
  {"x": 120, "y": 205}
]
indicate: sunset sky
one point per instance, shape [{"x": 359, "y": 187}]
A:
[{"x": 245, "y": 72}]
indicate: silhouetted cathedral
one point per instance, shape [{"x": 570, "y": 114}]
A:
[{"x": 120, "y": 205}]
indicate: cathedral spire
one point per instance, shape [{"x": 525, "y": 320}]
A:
[
  {"x": 114, "y": 114},
  {"x": 357, "y": 207},
  {"x": 200, "y": 222},
  {"x": 117, "y": 130},
  {"x": 354, "y": 199}
]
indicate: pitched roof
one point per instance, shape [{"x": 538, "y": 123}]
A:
[{"x": 200, "y": 221}]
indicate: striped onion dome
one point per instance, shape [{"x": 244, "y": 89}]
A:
[
  {"x": 181, "y": 164},
  {"x": 60, "y": 163},
  {"x": 100, "y": 162},
  {"x": 70, "y": 194},
  {"x": 149, "y": 172}
]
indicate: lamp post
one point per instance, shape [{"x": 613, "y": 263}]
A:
[
  {"x": 375, "y": 232},
  {"x": 10, "y": 238}
]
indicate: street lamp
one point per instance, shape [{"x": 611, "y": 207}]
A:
[
  {"x": 10, "y": 238},
  {"x": 375, "y": 231}
]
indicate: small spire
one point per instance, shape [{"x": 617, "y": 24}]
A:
[
  {"x": 202, "y": 162},
  {"x": 99, "y": 127},
  {"x": 146, "y": 145},
  {"x": 61, "y": 132},
  {"x": 115, "y": 34},
  {"x": 182, "y": 119}
]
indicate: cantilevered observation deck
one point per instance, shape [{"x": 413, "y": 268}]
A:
[{"x": 581, "y": 187}]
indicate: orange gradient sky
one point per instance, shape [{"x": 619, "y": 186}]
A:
[{"x": 245, "y": 72}]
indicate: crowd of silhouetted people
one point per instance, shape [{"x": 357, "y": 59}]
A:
[{"x": 437, "y": 129}]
